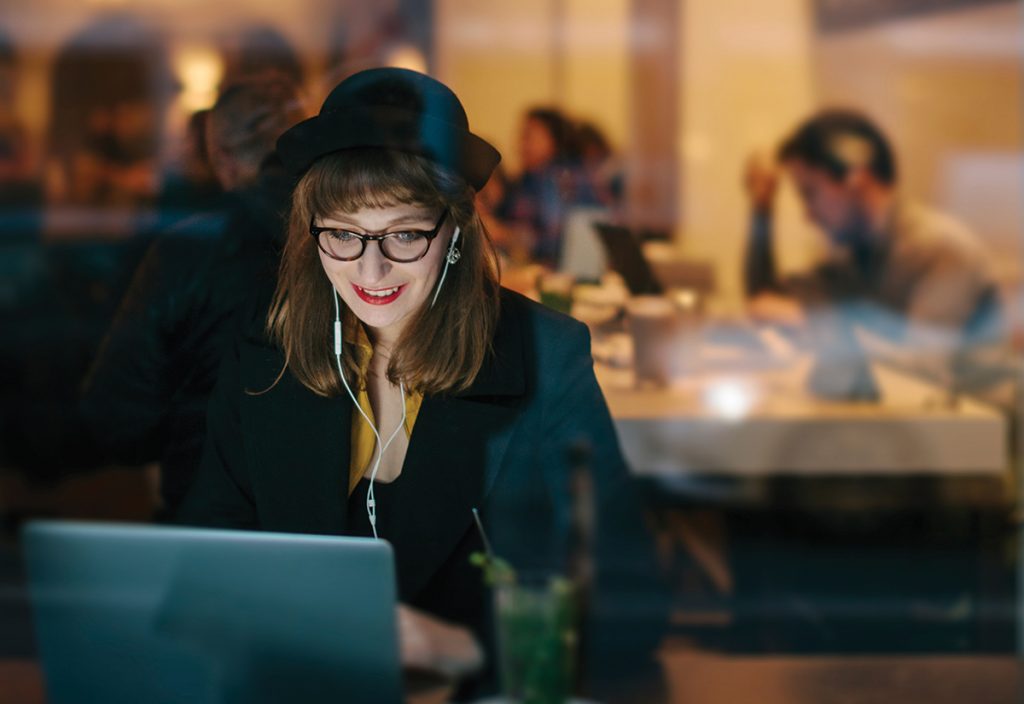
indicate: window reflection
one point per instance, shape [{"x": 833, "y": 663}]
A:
[{"x": 812, "y": 357}]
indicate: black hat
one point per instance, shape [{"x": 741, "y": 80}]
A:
[{"x": 392, "y": 108}]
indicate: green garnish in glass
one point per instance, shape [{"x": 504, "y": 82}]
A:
[{"x": 536, "y": 619}]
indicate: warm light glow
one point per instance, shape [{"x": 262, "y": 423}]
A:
[
  {"x": 408, "y": 57},
  {"x": 729, "y": 398},
  {"x": 686, "y": 299},
  {"x": 199, "y": 69}
]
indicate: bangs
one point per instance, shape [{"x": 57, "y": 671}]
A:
[{"x": 354, "y": 179}]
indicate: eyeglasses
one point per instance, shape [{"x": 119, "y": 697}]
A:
[{"x": 346, "y": 246}]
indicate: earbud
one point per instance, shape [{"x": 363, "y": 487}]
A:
[{"x": 452, "y": 257}]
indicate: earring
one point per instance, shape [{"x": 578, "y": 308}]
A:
[{"x": 454, "y": 255}]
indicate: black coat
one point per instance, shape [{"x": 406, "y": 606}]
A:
[
  {"x": 145, "y": 397},
  {"x": 279, "y": 461}
]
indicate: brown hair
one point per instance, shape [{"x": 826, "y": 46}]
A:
[
  {"x": 443, "y": 347},
  {"x": 250, "y": 115}
]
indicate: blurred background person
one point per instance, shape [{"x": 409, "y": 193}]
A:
[
  {"x": 22, "y": 267},
  {"x": 261, "y": 50},
  {"x": 601, "y": 164},
  {"x": 15, "y": 164},
  {"x": 145, "y": 399},
  {"x": 191, "y": 185},
  {"x": 111, "y": 85},
  {"x": 252, "y": 52},
  {"x": 381, "y": 34},
  {"x": 489, "y": 199},
  {"x": 552, "y": 181},
  {"x": 75, "y": 242},
  {"x": 908, "y": 273},
  {"x": 20, "y": 195}
]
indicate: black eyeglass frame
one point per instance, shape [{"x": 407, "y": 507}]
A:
[{"x": 377, "y": 237}]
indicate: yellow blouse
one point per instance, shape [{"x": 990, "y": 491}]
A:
[{"x": 363, "y": 442}]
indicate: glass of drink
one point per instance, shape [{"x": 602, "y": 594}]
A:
[
  {"x": 537, "y": 638},
  {"x": 556, "y": 290}
]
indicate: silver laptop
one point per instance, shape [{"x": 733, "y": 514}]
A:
[{"x": 130, "y": 613}]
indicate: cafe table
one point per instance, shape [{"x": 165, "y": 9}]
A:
[
  {"x": 704, "y": 678},
  {"x": 734, "y": 421},
  {"x": 726, "y": 429}
]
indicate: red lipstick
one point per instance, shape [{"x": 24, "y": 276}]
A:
[{"x": 369, "y": 296}]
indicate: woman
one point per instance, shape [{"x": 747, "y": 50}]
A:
[
  {"x": 552, "y": 182},
  {"x": 393, "y": 387}
]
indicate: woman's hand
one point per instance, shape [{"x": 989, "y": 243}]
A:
[{"x": 429, "y": 643}]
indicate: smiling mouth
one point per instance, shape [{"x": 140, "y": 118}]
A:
[{"x": 379, "y": 296}]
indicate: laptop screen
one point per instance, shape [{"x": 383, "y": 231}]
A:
[
  {"x": 131, "y": 613},
  {"x": 627, "y": 258}
]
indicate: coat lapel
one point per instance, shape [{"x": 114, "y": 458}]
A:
[
  {"x": 453, "y": 444},
  {"x": 455, "y": 455},
  {"x": 301, "y": 445}
]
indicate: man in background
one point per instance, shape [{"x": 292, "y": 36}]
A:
[
  {"x": 917, "y": 280},
  {"x": 145, "y": 398}
]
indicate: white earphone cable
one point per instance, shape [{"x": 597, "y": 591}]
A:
[
  {"x": 371, "y": 502},
  {"x": 382, "y": 447}
]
